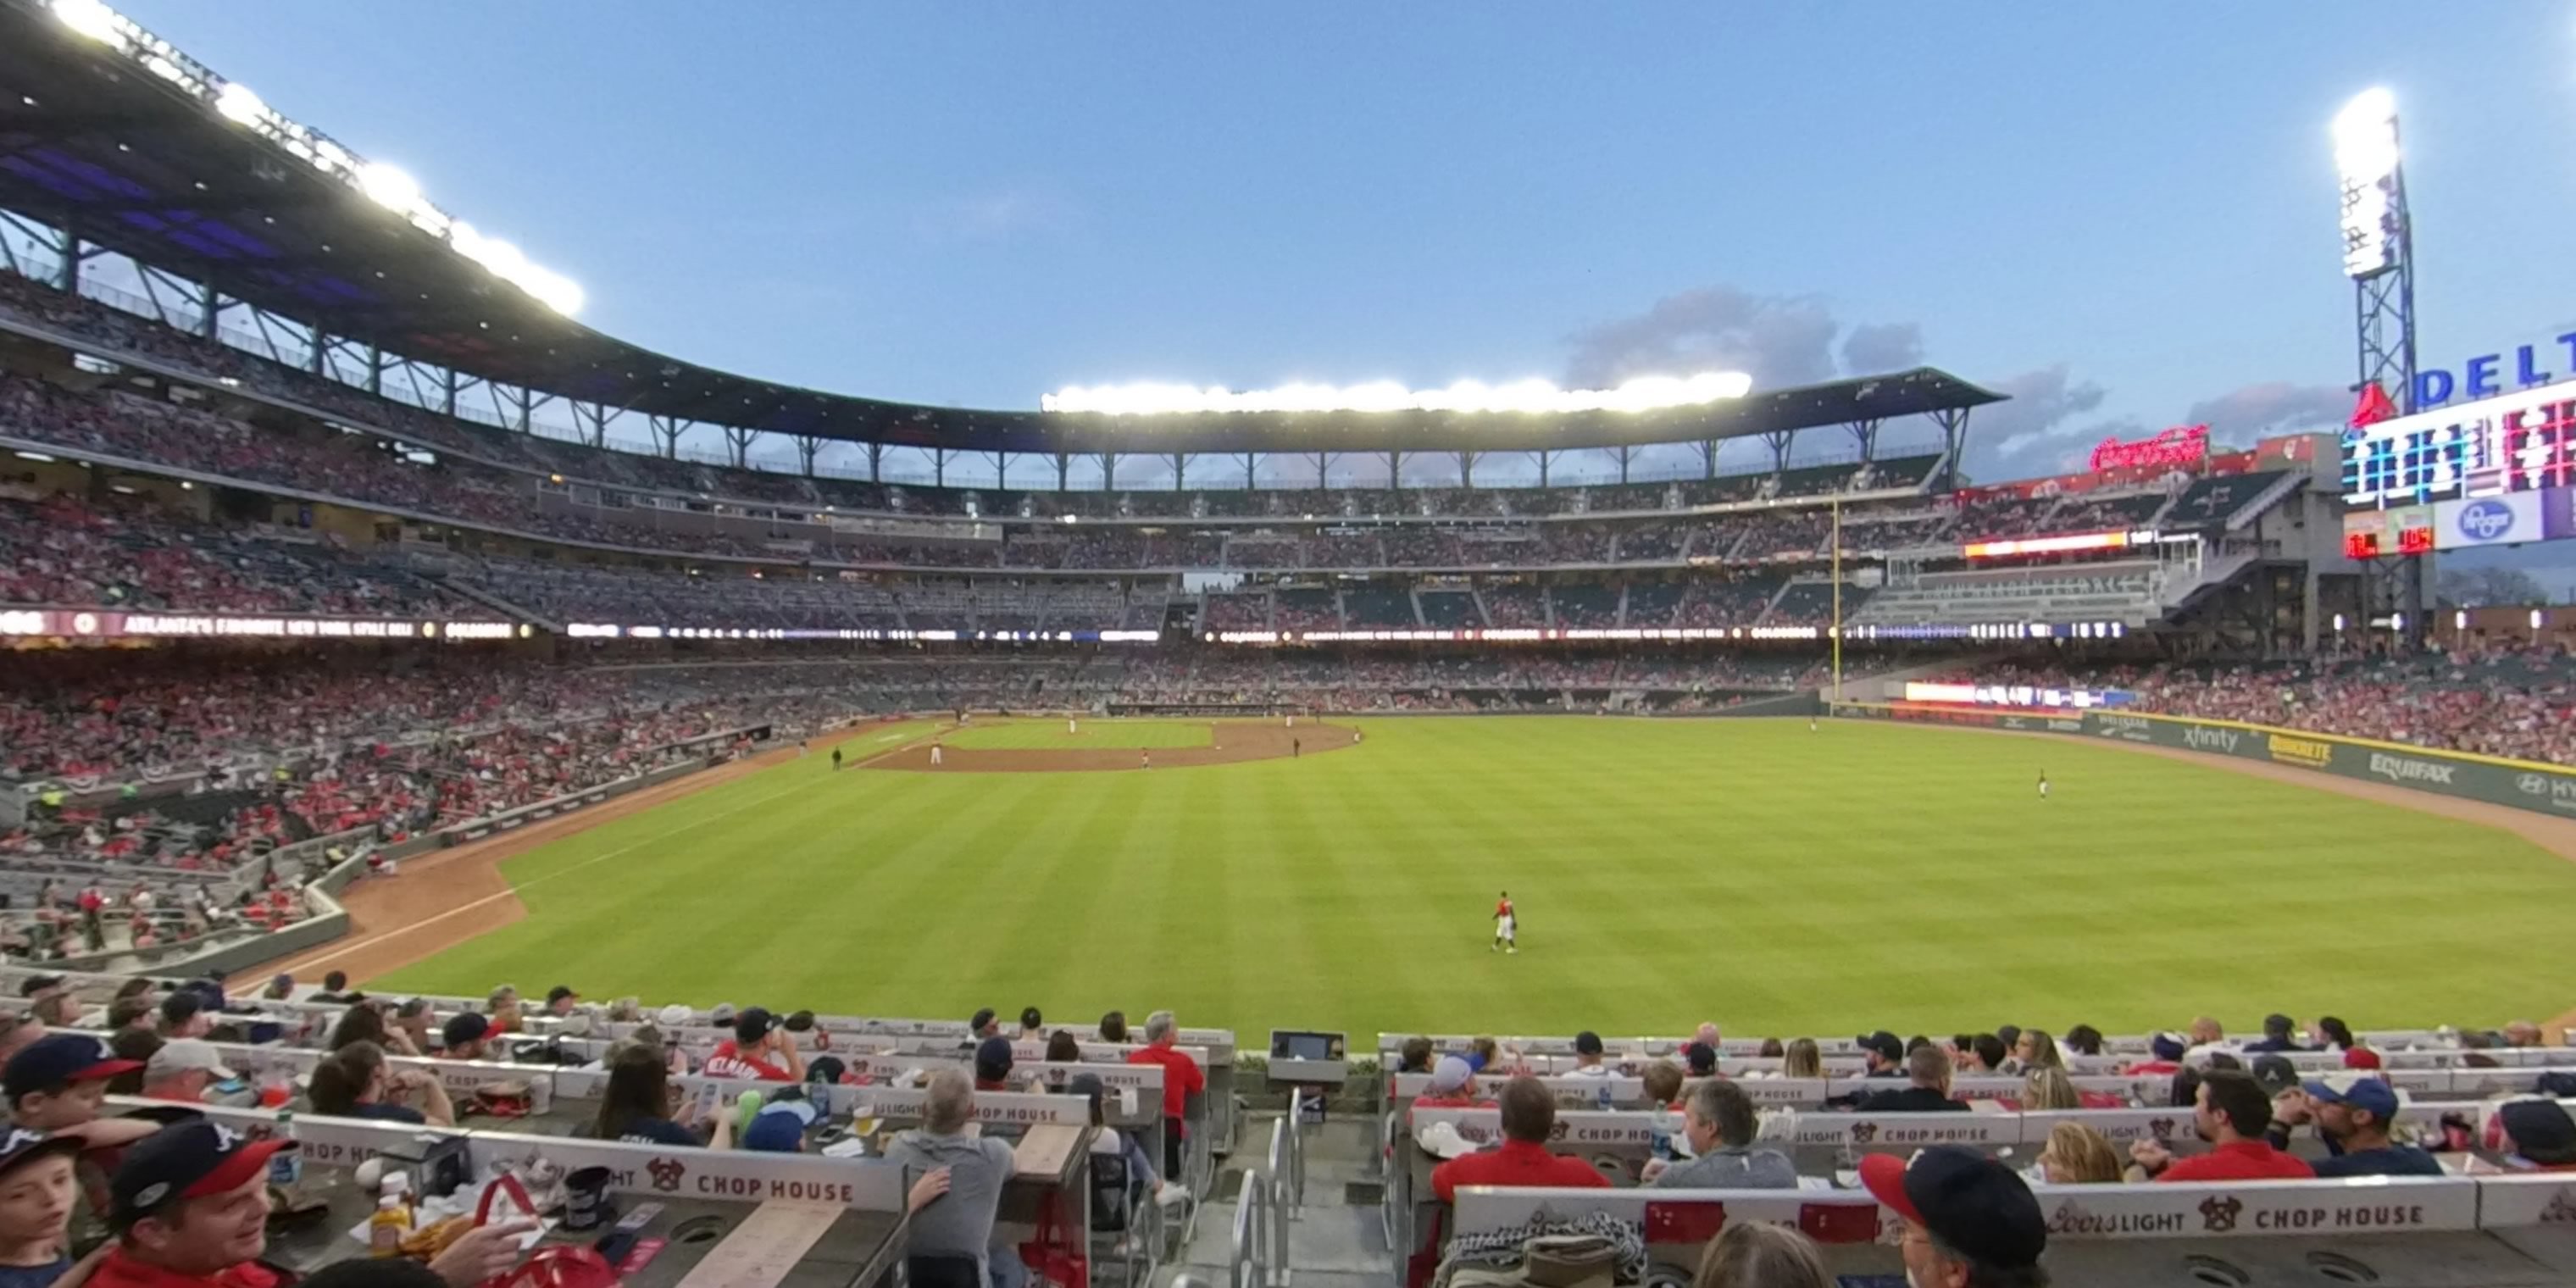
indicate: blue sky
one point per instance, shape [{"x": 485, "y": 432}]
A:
[{"x": 2121, "y": 213}]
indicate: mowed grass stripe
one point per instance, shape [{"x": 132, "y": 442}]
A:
[{"x": 1752, "y": 872}]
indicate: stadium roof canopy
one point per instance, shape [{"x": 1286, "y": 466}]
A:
[{"x": 140, "y": 164}]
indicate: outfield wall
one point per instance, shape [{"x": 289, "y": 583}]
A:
[{"x": 2520, "y": 784}]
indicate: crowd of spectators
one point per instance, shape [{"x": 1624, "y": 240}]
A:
[
  {"x": 2511, "y": 702},
  {"x": 57, "y": 551}
]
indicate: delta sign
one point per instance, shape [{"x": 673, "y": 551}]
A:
[{"x": 2483, "y": 376}]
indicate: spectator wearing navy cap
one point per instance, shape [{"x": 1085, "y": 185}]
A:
[
  {"x": 1587, "y": 1056},
  {"x": 1885, "y": 1053},
  {"x": 2540, "y": 1133},
  {"x": 993, "y": 1064},
  {"x": 183, "y": 1015},
  {"x": 1970, "y": 1222},
  {"x": 779, "y": 1127},
  {"x": 758, "y": 1049},
  {"x": 37, "y": 1192},
  {"x": 190, "y": 1206},
  {"x": 2165, "y": 1052},
  {"x": 983, "y": 1024},
  {"x": 2353, "y": 1113},
  {"x": 1702, "y": 1059},
  {"x": 463, "y": 1036},
  {"x": 60, "y": 1081}
]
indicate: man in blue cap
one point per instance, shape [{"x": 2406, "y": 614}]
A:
[
  {"x": 1970, "y": 1222},
  {"x": 2353, "y": 1112}
]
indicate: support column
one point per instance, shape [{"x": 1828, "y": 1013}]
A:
[
  {"x": 1108, "y": 471},
  {"x": 807, "y": 447},
  {"x": 209, "y": 323},
  {"x": 666, "y": 434},
  {"x": 1063, "y": 472},
  {"x": 1707, "y": 458},
  {"x": 1954, "y": 440},
  {"x": 1865, "y": 436},
  {"x": 740, "y": 441},
  {"x": 1394, "y": 470},
  {"x": 939, "y": 467},
  {"x": 1180, "y": 471},
  {"x": 1544, "y": 457},
  {"x": 1249, "y": 475},
  {"x": 1323, "y": 469},
  {"x": 1779, "y": 442},
  {"x": 375, "y": 370},
  {"x": 876, "y": 462},
  {"x": 1467, "y": 470},
  {"x": 1002, "y": 470},
  {"x": 447, "y": 392}
]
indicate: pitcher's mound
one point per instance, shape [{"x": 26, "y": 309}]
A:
[{"x": 1229, "y": 742}]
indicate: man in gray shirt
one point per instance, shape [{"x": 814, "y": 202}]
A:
[
  {"x": 1721, "y": 1125},
  {"x": 959, "y": 1223}
]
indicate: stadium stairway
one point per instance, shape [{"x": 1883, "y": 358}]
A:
[{"x": 1336, "y": 1238}]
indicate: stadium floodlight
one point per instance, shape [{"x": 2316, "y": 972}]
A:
[
  {"x": 236, "y": 103},
  {"x": 93, "y": 19},
  {"x": 1652, "y": 393},
  {"x": 389, "y": 186},
  {"x": 2366, "y": 160}
]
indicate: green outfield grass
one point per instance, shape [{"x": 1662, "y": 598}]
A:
[
  {"x": 1049, "y": 735},
  {"x": 1752, "y": 872}
]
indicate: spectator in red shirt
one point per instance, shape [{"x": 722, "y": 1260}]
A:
[
  {"x": 1181, "y": 1078},
  {"x": 758, "y": 1049},
  {"x": 1529, "y": 1115},
  {"x": 1452, "y": 1087},
  {"x": 2230, "y": 1112}
]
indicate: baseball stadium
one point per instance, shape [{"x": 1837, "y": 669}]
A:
[{"x": 1686, "y": 831}]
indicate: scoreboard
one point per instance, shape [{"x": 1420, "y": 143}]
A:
[
  {"x": 2521, "y": 442},
  {"x": 2399, "y": 530}
]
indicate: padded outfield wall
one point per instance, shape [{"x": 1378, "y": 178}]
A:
[{"x": 2521, "y": 784}]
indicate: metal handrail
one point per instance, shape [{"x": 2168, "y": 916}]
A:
[{"x": 1246, "y": 1261}]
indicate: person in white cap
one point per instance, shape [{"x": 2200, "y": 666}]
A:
[{"x": 182, "y": 1071}]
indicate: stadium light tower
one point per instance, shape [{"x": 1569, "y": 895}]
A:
[{"x": 2379, "y": 257}]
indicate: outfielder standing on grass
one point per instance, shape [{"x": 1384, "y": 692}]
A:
[
  {"x": 836, "y": 760},
  {"x": 2043, "y": 784},
  {"x": 1505, "y": 923}
]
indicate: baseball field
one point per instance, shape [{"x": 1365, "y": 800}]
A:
[{"x": 1773, "y": 878}]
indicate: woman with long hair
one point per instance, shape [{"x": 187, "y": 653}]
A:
[
  {"x": 2078, "y": 1155},
  {"x": 2047, "y": 1088},
  {"x": 1803, "y": 1060},
  {"x": 636, "y": 1105},
  {"x": 362, "y": 1022},
  {"x": 2336, "y": 1034},
  {"x": 353, "y": 1082},
  {"x": 2037, "y": 1050},
  {"x": 1749, "y": 1254}
]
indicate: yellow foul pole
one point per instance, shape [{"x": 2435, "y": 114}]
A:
[{"x": 1837, "y": 694}]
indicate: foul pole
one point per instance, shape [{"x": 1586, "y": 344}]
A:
[{"x": 1836, "y": 693}]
